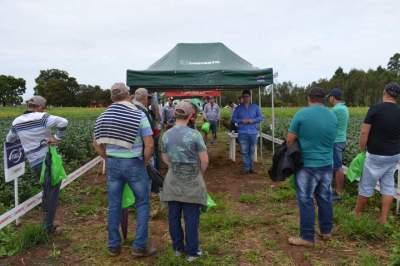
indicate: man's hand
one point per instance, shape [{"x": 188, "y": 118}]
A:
[
  {"x": 290, "y": 139},
  {"x": 99, "y": 148},
  {"x": 53, "y": 141}
]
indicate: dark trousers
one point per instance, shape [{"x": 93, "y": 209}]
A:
[
  {"x": 49, "y": 196},
  {"x": 191, "y": 215}
]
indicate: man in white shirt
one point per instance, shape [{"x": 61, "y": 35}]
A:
[{"x": 33, "y": 129}]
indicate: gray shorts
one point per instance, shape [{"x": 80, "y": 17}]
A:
[{"x": 378, "y": 168}]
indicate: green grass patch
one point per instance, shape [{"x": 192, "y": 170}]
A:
[
  {"x": 13, "y": 241},
  {"x": 248, "y": 198},
  {"x": 85, "y": 210}
]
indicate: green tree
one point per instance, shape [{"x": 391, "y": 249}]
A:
[
  {"x": 92, "y": 95},
  {"x": 394, "y": 64},
  {"x": 57, "y": 87},
  {"x": 11, "y": 89}
]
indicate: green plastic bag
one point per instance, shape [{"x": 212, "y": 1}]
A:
[
  {"x": 355, "y": 170},
  {"x": 128, "y": 198},
  {"x": 292, "y": 181},
  {"x": 206, "y": 127},
  {"x": 57, "y": 170},
  {"x": 210, "y": 204}
]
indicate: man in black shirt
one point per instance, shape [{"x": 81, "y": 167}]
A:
[{"x": 380, "y": 138}]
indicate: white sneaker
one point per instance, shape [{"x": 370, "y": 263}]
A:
[
  {"x": 177, "y": 253},
  {"x": 191, "y": 258}
]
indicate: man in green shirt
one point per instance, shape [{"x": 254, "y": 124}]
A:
[
  {"x": 342, "y": 115},
  {"x": 314, "y": 127}
]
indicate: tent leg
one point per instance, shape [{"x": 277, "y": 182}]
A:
[
  {"x": 273, "y": 119},
  {"x": 261, "y": 139}
]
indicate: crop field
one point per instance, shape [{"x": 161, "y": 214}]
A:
[{"x": 249, "y": 226}]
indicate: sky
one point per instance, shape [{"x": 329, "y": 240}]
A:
[{"x": 96, "y": 41}]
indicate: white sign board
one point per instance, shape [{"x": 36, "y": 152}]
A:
[{"x": 14, "y": 160}]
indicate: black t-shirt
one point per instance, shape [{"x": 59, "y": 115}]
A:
[{"x": 384, "y": 136}]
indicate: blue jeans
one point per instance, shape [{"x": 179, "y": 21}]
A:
[
  {"x": 133, "y": 172},
  {"x": 191, "y": 215},
  {"x": 338, "y": 149},
  {"x": 310, "y": 183},
  {"x": 247, "y": 144}
]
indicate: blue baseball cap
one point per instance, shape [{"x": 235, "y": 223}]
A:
[{"x": 336, "y": 92}]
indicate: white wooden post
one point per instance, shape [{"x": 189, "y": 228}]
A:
[
  {"x": 398, "y": 189},
  {"x": 16, "y": 198}
]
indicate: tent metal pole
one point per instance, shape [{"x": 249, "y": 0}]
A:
[
  {"x": 261, "y": 139},
  {"x": 273, "y": 118}
]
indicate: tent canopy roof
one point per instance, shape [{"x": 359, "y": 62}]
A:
[{"x": 200, "y": 66}]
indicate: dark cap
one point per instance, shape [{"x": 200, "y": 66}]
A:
[
  {"x": 246, "y": 92},
  {"x": 316, "y": 93},
  {"x": 336, "y": 92},
  {"x": 393, "y": 89}
]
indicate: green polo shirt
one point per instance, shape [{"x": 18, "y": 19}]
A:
[
  {"x": 315, "y": 128},
  {"x": 342, "y": 115}
]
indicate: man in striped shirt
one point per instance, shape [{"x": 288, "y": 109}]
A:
[
  {"x": 33, "y": 129},
  {"x": 123, "y": 136}
]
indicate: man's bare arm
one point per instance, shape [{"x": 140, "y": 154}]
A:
[
  {"x": 165, "y": 159},
  {"x": 203, "y": 161},
  {"x": 290, "y": 139},
  {"x": 148, "y": 148},
  {"x": 364, "y": 133}
]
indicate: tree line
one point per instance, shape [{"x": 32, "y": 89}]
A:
[
  {"x": 360, "y": 88},
  {"x": 57, "y": 86}
]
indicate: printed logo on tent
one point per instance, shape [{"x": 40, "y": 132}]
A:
[
  {"x": 187, "y": 62},
  {"x": 260, "y": 79}
]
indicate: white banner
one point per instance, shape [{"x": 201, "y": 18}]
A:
[{"x": 20, "y": 210}]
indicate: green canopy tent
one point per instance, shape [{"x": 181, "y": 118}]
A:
[
  {"x": 202, "y": 66},
  {"x": 196, "y": 66}
]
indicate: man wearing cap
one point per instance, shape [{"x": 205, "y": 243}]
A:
[
  {"x": 185, "y": 153},
  {"x": 380, "y": 139},
  {"x": 168, "y": 114},
  {"x": 247, "y": 117},
  {"x": 123, "y": 137},
  {"x": 212, "y": 115},
  {"x": 33, "y": 129},
  {"x": 314, "y": 127},
  {"x": 342, "y": 115}
]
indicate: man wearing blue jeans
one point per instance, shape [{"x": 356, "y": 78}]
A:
[
  {"x": 314, "y": 127},
  {"x": 247, "y": 117},
  {"x": 342, "y": 115},
  {"x": 120, "y": 134},
  {"x": 184, "y": 189}
]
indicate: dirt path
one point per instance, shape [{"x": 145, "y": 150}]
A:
[{"x": 249, "y": 227}]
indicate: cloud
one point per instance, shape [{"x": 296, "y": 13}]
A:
[{"x": 96, "y": 41}]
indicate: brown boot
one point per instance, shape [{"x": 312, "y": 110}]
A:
[
  {"x": 298, "y": 241},
  {"x": 325, "y": 237}
]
